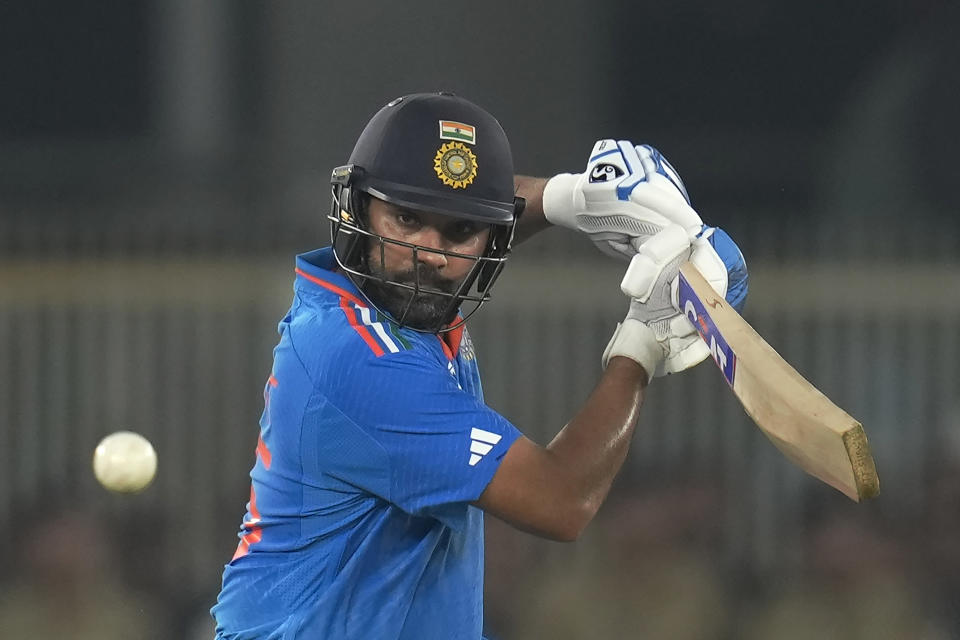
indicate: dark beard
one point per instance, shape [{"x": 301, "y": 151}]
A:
[{"x": 427, "y": 311}]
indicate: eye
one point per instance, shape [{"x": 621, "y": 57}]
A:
[
  {"x": 465, "y": 229},
  {"x": 407, "y": 219}
]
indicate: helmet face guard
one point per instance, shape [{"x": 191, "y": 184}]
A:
[
  {"x": 354, "y": 244},
  {"x": 433, "y": 153}
]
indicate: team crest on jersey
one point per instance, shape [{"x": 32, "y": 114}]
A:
[{"x": 455, "y": 164}]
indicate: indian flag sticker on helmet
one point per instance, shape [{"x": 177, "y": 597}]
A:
[
  {"x": 450, "y": 130},
  {"x": 455, "y": 165}
]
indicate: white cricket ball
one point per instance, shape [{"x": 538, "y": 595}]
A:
[{"x": 125, "y": 462}]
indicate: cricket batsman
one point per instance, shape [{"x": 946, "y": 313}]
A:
[{"x": 377, "y": 456}]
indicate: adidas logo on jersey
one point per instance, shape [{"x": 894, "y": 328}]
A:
[{"x": 481, "y": 442}]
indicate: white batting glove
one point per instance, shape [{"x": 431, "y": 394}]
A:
[
  {"x": 685, "y": 348},
  {"x": 647, "y": 334},
  {"x": 627, "y": 195},
  {"x": 651, "y": 282}
]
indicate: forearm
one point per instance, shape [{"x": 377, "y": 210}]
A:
[
  {"x": 555, "y": 491},
  {"x": 532, "y": 220},
  {"x": 594, "y": 444}
]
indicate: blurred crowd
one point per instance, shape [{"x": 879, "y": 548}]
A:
[
  {"x": 655, "y": 570},
  {"x": 651, "y": 566}
]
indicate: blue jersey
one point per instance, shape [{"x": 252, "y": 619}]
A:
[{"x": 373, "y": 443}]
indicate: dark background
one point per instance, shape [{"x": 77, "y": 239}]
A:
[{"x": 161, "y": 163}]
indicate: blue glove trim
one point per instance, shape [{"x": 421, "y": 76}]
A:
[
  {"x": 737, "y": 277},
  {"x": 605, "y": 153},
  {"x": 624, "y": 191},
  {"x": 662, "y": 166}
]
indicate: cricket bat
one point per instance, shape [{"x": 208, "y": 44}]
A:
[{"x": 813, "y": 432}]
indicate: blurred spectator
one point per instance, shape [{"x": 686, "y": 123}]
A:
[
  {"x": 64, "y": 584},
  {"x": 937, "y": 539},
  {"x": 646, "y": 570},
  {"x": 855, "y": 585},
  {"x": 509, "y": 555}
]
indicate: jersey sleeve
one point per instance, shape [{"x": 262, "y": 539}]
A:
[{"x": 442, "y": 445}]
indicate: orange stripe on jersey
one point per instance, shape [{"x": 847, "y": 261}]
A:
[
  {"x": 450, "y": 341},
  {"x": 242, "y": 549},
  {"x": 271, "y": 382},
  {"x": 254, "y": 512},
  {"x": 359, "y": 328},
  {"x": 254, "y": 533},
  {"x": 346, "y": 296},
  {"x": 253, "y": 536},
  {"x": 264, "y": 452},
  {"x": 453, "y": 338},
  {"x": 446, "y": 348}
]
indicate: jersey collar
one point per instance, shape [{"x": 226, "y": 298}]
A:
[{"x": 317, "y": 270}]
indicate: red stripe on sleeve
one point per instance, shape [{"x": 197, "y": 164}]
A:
[
  {"x": 345, "y": 297},
  {"x": 359, "y": 328}
]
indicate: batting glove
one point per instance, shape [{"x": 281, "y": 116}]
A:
[
  {"x": 627, "y": 195},
  {"x": 721, "y": 262},
  {"x": 653, "y": 321},
  {"x": 652, "y": 282}
]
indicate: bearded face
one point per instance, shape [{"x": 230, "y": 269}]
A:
[
  {"x": 425, "y": 274},
  {"x": 418, "y": 310}
]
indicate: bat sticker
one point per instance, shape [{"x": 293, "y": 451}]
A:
[{"x": 695, "y": 311}]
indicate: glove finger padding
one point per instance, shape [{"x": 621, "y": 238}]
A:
[
  {"x": 660, "y": 188},
  {"x": 653, "y": 270},
  {"x": 654, "y": 163},
  {"x": 635, "y": 340},
  {"x": 658, "y": 194},
  {"x": 661, "y": 347},
  {"x": 721, "y": 263},
  {"x": 683, "y": 353},
  {"x": 705, "y": 258},
  {"x": 645, "y": 333}
]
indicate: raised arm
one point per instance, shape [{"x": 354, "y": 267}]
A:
[
  {"x": 532, "y": 221},
  {"x": 626, "y": 192},
  {"x": 632, "y": 204},
  {"x": 626, "y": 195},
  {"x": 554, "y": 491}
]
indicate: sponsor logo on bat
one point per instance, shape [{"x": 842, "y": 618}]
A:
[{"x": 695, "y": 311}]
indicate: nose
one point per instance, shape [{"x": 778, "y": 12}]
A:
[{"x": 432, "y": 239}]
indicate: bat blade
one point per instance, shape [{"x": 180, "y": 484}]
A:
[{"x": 803, "y": 423}]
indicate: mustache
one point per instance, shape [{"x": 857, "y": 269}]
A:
[{"x": 429, "y": 277}]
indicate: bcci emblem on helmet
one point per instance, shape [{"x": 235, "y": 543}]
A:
[{"x": 455, "y": 165}]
